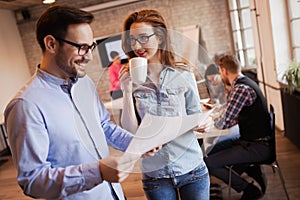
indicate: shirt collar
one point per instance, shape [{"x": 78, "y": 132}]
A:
[
  {"x": 237, "y": 78},
  {"x": 167, "y": 67},
  {"x": 54, "y": 79}
]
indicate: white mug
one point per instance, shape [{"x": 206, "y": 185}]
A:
[{"x": 138, "y": 69}]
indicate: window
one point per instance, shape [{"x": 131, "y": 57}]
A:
[
  {"x": 294, "y": 16},
  {"x": 242, "y": 32}
]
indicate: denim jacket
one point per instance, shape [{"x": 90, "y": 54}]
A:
[{"x": 175, "y": 95}]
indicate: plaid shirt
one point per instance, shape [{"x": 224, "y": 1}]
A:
[{"x": 240, "y": 95}]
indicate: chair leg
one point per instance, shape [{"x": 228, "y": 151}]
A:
[
  {"x": 276, "y": 166},
  {"x": 229, "y": 181}
]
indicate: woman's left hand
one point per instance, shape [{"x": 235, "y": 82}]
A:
[{"x": 152, "y": 152}]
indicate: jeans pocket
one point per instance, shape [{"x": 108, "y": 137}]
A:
[
  {"x": 198, "y": 173},
  {"x": 150, "y": 184}
]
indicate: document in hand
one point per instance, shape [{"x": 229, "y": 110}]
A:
[{"x": 158, "y": 130}]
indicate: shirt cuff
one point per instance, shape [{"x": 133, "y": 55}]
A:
[{"x": 91, "y": 174}]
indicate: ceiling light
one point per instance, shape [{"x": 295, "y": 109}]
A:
[{"x": 48, "y": 1}]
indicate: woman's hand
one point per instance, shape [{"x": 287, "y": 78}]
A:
[
  {"x": 152, "y": 152},
  {"x": 125, "y": 80}
]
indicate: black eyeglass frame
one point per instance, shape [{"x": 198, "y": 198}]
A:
[
  {"x": 81, "y": 47},
  {"x": 131, "y": 39}
]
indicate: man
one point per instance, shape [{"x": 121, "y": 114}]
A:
[
  {"x": 247, "y": 105},
  {"x": 57, "y": 128},
  {"x": 113, "y": 71}
]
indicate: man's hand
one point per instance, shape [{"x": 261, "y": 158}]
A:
[{"x": 117, "y": 169}]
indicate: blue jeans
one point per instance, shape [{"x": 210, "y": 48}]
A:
[{"x": 191, "y": 186}]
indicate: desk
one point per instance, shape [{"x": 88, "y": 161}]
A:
[
  {"x": 213, "y": 132},
  {"x": 214, "y": 135}
]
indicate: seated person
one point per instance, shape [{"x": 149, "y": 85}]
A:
[
  {"x": 217, "y": 95},
  {"x": 214, "y": 85},
  {"x": 246, "y": 105},
  {"x": 113, "y": 71}
]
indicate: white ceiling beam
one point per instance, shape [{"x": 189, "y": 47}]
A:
[{"x": 109, "y": 5}]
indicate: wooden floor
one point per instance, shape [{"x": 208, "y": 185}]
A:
[{"x": 288, "y": 156}]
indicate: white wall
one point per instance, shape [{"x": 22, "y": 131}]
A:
[
  {"x": 272, "y": 47},
  {"x": 14, "y": 71},
  {"x": 280, "y": 29}
]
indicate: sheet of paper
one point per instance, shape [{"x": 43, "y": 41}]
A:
[
  {"x": 158, "y": 130},
  {"x": 203, "y": 117},
  {"x": 213, "y": 132}
]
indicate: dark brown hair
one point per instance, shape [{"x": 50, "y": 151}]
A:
[{"x": 56, "y": 20}]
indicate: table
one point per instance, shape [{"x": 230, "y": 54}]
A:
[
  {"x": 213, "y": 132},
  {"x": 211, "y": 137}
]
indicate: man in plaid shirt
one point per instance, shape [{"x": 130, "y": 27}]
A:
[{"x": 247, "y": 106}]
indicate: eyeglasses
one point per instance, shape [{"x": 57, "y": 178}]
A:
[
  {"x": 83, "y": 49},
  {"x": 142, "y": 39}
]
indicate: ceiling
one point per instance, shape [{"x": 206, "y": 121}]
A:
[
  {"x": 22, "y": 4},
  {"x": 18, "y": 4}
]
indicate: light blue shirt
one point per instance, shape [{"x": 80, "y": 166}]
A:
[
  {"x": 57, "y": 137},
  {"x": 175, "y": 95}
]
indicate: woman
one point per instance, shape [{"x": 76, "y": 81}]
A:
[
  {"x": 178, "y": 168},
  {"x": 215, "y": 85}
]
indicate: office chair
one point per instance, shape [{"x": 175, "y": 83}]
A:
[{"x": 272, "y": 161}]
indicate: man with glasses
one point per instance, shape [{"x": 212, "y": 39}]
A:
[
  {"x": 58, "y": 129},
  {"x": 82, "y": 48}
]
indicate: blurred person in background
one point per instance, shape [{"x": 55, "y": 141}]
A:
[
  {"x": 113, "y": 71},
  {"x": 247, "y": 106}
]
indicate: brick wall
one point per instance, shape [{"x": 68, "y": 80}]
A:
[{"x": 210, "y": 15}]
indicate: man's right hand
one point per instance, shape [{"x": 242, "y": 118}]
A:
[{"x": 117, "y": 169}]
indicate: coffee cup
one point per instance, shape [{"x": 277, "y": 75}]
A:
[{"x": 138, "y": 69}]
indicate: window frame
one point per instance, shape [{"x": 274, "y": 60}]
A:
[{"x": 243, "y": 46}]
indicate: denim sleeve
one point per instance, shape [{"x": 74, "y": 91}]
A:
[{"x": 192, "y": 97}]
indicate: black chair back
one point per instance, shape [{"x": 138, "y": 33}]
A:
[{"x": 273, "y": 138}]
